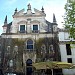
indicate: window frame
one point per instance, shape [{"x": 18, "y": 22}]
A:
[
  {"x": 68, "y": 49},
  {"x": 69, "y": 60},
  {"x": 29, "y": 44},
  {"x": 35, "y": 31},
  {"x": 22, "y": 31}
]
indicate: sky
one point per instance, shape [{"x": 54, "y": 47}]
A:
[{"x": 7, "y": 7}]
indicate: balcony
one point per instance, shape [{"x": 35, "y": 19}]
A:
[
  {"x": 22, "y": 31},
  {"x": 35, "y": 31},
  {"x": 30, "y": 50}
]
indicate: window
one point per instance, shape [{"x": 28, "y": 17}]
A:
[
  {"x": 68, "y": 49},
  {"x": 8, "y": 48},
  {"x": 50, "y": 48},
  {"x": 29, "y": 44},
  {"x": 66, "y": 36},
  {"x": 69, "y": 60},
  {"x": 35, "y": 29},
  {"x": 22, "y": 28},
  {"x": 16, "y": 49},
  {"x": 43, "y": 49}
]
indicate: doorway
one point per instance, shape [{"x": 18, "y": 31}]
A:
[{"x": 29, "y": 67}]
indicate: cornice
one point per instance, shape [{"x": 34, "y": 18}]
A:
[
  {"x": 35, "y": 21},
  {"x": 27, "y": 15},
  {"x": 22, "y": 22}
]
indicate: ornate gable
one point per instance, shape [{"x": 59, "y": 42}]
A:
[
  {"x": 37, "y": 12},
  {"x": 19, "y": 13}
]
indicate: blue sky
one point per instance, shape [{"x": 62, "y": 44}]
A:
[{"x": 7, "y": 7}]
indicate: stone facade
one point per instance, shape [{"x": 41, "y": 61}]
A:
[{"x": 29, "y": 36}]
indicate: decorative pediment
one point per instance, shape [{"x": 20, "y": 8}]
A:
[
  {"x": 21, "y": 12},
  {"x": 22, "y": 22},
  {"x": 37, "y": 12}
]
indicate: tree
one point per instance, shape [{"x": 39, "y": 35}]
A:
[{"x": 70, "y": 17}]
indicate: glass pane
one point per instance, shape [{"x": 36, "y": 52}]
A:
[
  {"x": 29, "y": 46},
  {"x": 22, "y": 27},
  {"x": 29, "y": 71},
  {"x": 29, "y": 62},
  {"x": 29, "y": 42},
  {"x": 35, "y": 27}
]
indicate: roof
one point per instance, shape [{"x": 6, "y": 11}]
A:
[
  {"x": 10, "y": 24},
  {"x": 8, "y": 27},
  {"x": 4, "y": 26},
  {"x": 49, "y": 23}
]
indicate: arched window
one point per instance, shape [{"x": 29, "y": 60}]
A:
[
  {"x": 50, "y": 48},
  {"x": 29, "y": 62},
  {"x": 16, "y": 49},
  {"x": 43, "y": 49},
  {"x": 29, "y": 44}
]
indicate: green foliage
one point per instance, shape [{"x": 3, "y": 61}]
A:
[
  {"x": 39, "y": 43},
  {"x": 70, "y": 17},
  {"x": 19, "y": 54},
  {"x": 18, "y": 42}
]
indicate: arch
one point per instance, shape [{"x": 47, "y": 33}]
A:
[{"x": 29, "y": 62}]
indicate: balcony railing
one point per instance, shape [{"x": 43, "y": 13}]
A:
[
  {"x": 29, "y": 50},
  {"x": 22, "y": 31},
  {"x": 35, "y": 31}
]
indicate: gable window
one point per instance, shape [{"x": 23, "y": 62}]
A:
[
  {"x": 22, "y": 28},
  {"x": 29, "y": 44},
  {"x": 35, "y": 29},
  {"x": 68, "y": 49}
]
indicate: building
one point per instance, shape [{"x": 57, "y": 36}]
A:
[
  {"x": 29, "y": 38},
  {"x": 67, "y": 50}
]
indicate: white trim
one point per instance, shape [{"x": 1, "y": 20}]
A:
[
  {"x": 35, "y": 24},
  {"x": 21, "y": 25},
  {"x": 26, "y": 43}
]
